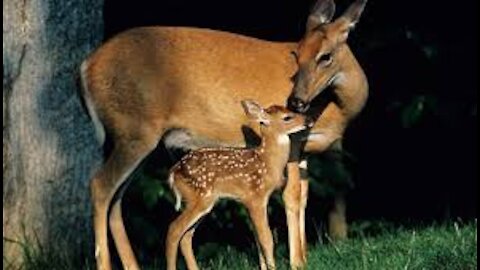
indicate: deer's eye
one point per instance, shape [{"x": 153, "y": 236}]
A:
[{"x": 324, "y": 59}]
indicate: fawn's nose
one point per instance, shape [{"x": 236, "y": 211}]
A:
[{"x": 297, "y": 105}]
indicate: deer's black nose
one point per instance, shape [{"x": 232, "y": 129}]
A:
[{"x": 297, "y": 104}]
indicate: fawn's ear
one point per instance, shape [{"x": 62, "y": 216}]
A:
[{"x": 255, "y": 111}]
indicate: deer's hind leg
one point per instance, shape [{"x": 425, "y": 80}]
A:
[{"x": 124, "y": 158}]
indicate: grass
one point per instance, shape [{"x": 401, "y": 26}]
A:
[
  {"x": 445, "y": 247},
  {"x": 438, "y": 247}
]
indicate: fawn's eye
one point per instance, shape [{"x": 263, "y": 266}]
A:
[{"x": 287, "y": 118}]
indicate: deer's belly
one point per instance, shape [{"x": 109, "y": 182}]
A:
[{"x": 184, "y": 139}]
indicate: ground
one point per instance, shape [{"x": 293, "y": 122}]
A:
[{"x": 373, "y": 245}]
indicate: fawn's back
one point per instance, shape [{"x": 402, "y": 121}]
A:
[{"x": 207, "y": 169}]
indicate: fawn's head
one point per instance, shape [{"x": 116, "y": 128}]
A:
[
  {"x": 276, "y": 119},
  {"x": 321, "y": 53}
]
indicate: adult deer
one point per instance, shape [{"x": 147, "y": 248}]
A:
[
  {"x": 247, "y": 175},
  {"x": 183, "y": 85}
]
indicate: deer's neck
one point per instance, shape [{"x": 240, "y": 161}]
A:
[
  {"x": 351, "y": 86},
  {"x": 275, "y": 151}
]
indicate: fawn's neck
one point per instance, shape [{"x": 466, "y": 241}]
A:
[{"x": 275, "y": 151}]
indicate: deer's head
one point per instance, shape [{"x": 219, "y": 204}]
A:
[{"x": 321, "y": 53}]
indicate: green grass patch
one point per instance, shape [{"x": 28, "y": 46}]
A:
[
  {"x": 445, "y": 247},
  {"x": 372, "y": 246},
  {"x": 451, "y": 247}
]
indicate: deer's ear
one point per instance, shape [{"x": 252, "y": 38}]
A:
[
  {"x": 321, "y": 13},
  {"x": 354, "y": 12},
  {"x": 255, "y": 111},
  {"x": 350, "y": 18}
]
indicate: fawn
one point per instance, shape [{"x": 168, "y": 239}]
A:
[{"x": 247, "y": 175}]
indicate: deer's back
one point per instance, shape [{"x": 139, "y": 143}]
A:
[{"x": 186, "y": 77}]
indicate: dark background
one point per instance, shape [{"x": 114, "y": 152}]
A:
[{"x": 414, "y": 148}]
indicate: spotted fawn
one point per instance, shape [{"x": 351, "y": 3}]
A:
[{"x": 248, "y": 175}]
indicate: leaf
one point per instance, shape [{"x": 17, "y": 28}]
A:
[
  {"x": 152, "y": 191},
  {"x": 413, "y": 112},
  {"x": 430, "y": 51}
]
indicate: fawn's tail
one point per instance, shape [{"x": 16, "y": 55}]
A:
[{"x": 178, "y": 196}]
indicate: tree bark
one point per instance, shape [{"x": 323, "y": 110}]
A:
[{"x": 49, "y": 147}]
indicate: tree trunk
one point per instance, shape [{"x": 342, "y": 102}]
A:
[{"x": 49, "y": 147}]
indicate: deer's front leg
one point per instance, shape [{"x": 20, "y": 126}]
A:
[
  {"x": 292, "y": 200},
  {"x": 331, "y": 145},
  {"x": 303, "y": 206},
  {"x": 337, "y": 221}
]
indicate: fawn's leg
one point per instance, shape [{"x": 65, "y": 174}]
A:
[
  {"x": 292, "y": 197},
  {"x": 186, "y": 246},
  {"x": 259, "y": 216},
  {"x": 190, "y": 216},
  {"x": 261, "y": 257},
  {"x": 186, "y": 243},
  {"x": 124, "y": 158}
]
